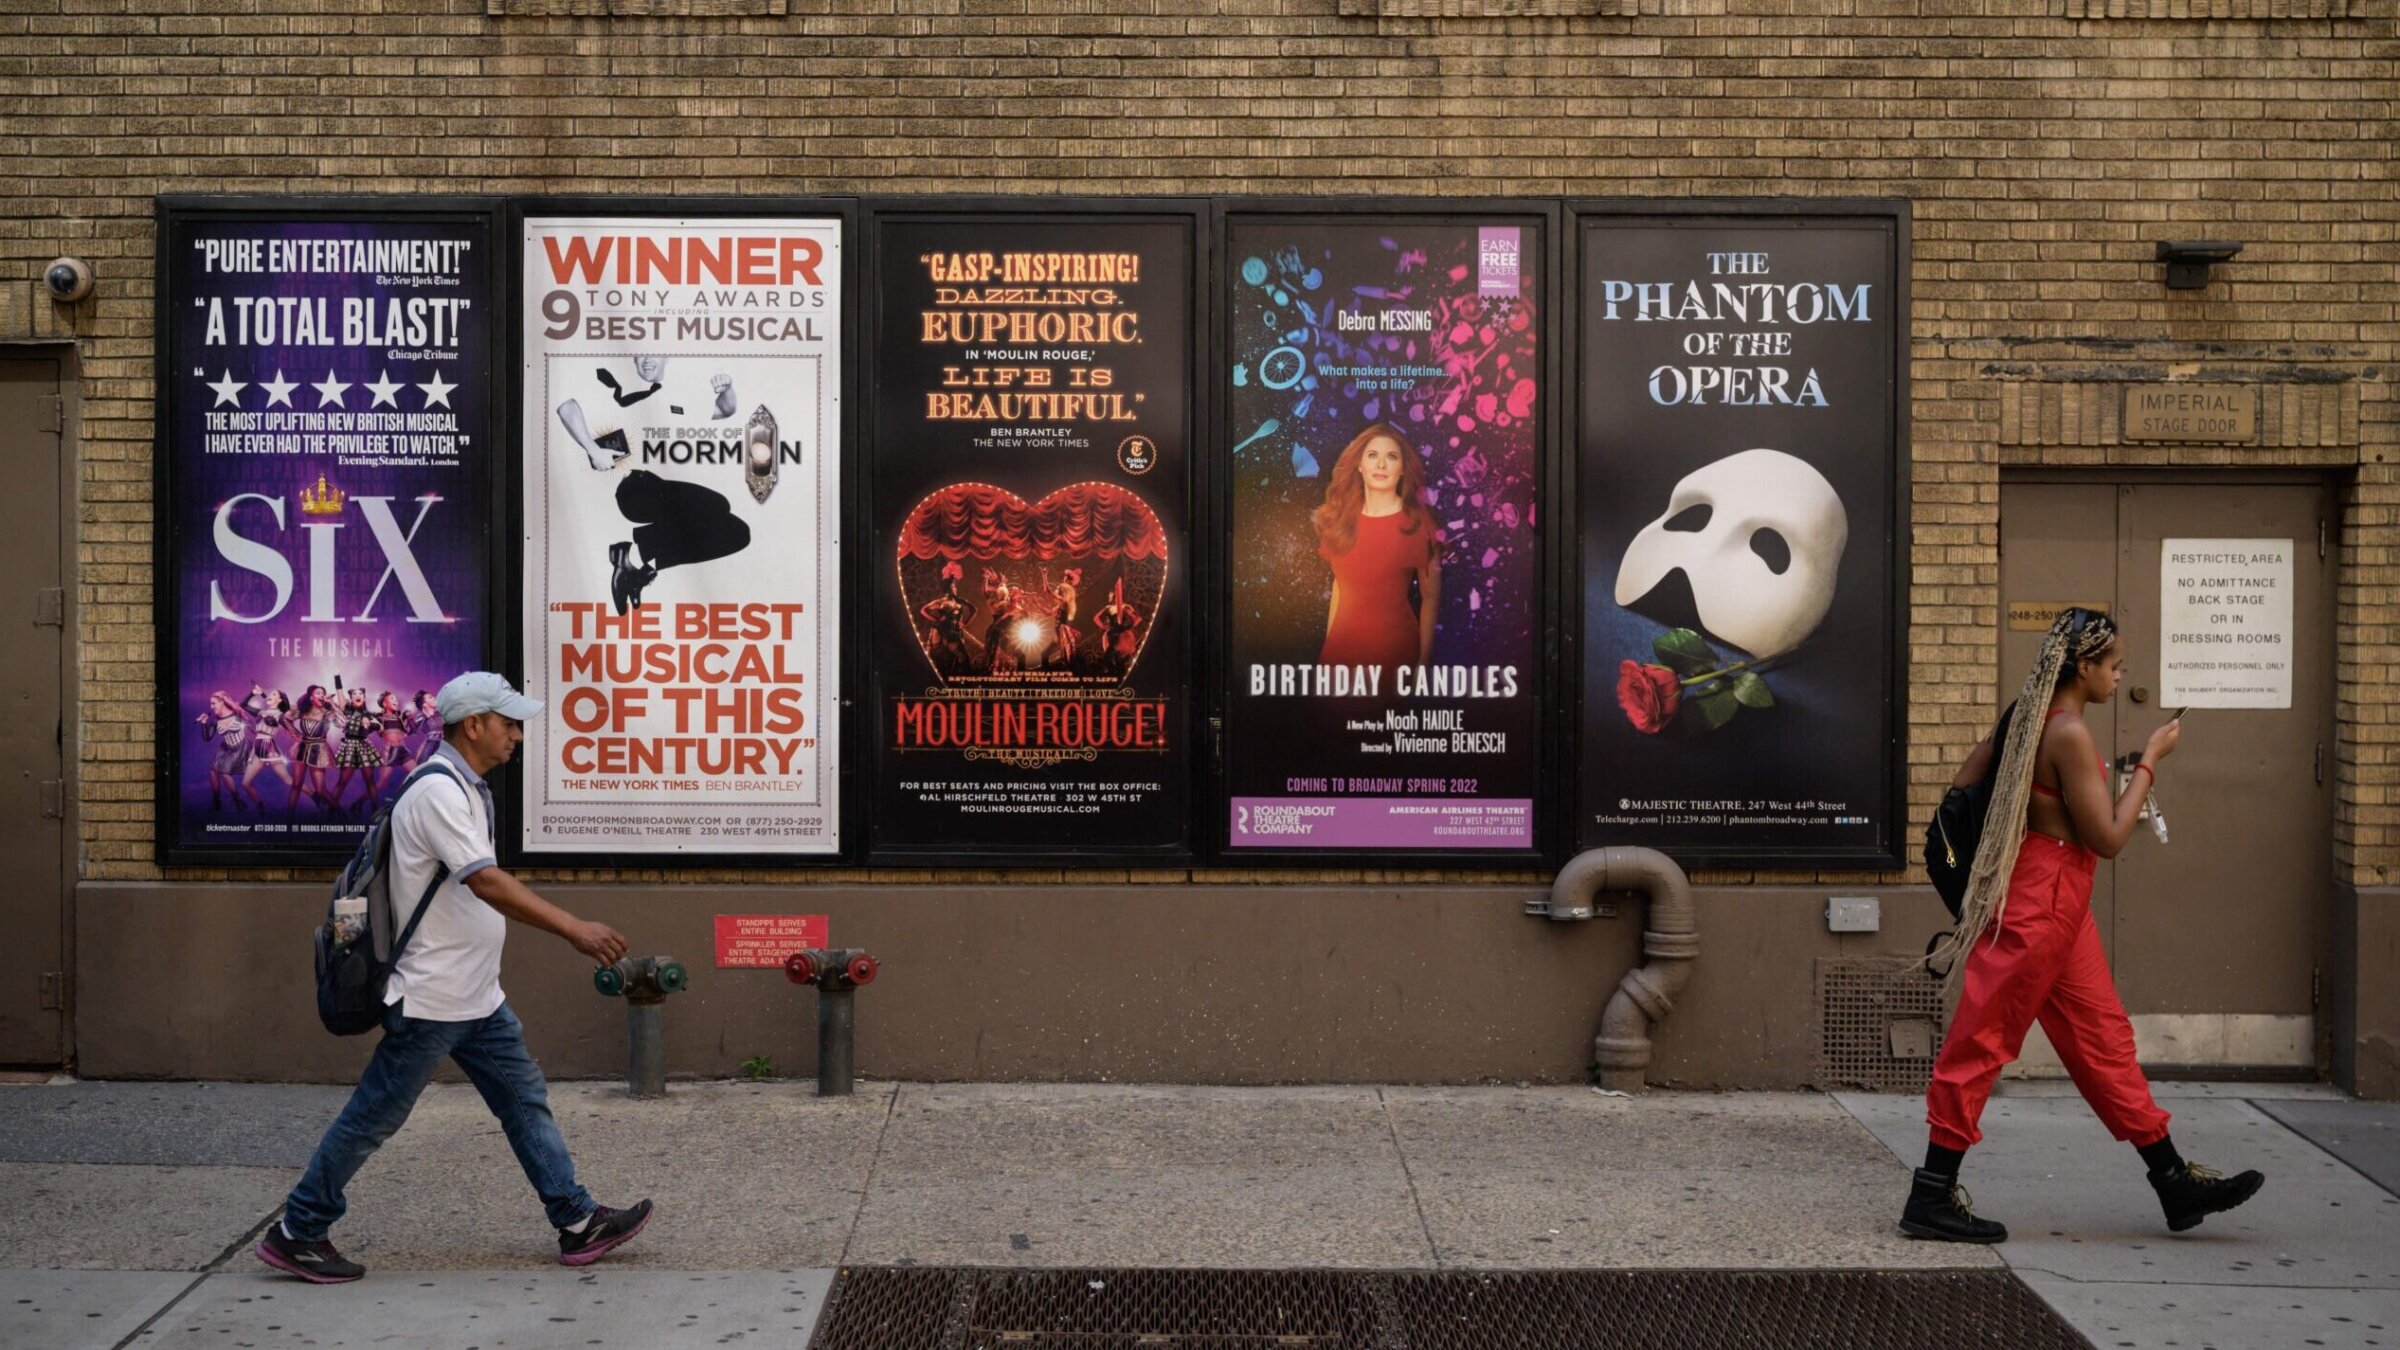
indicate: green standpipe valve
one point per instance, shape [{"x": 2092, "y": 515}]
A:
[{"x": 644, "y": 983}]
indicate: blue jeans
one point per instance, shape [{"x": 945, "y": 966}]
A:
[{"x": 492, "y": 1052}]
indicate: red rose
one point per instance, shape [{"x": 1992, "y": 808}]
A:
[{"x": 1648, "y": 694}]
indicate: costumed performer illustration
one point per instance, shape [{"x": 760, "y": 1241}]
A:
[
  {"x": 1382, "y": 544},
  {"x": 1117, "y": 622},
  {"x": 270, "y": 718},
  {"x": 358, "y": 756},
  {"x": 2050, "y": 821},
  {"x": 1060, "y": 654},
  {"x": 1007, "y": 604},
  {"x": 952, "y": 650},
  {"x": 225, "y": 728},
  {"x": 312, "y": 750}
]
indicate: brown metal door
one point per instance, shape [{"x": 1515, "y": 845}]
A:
[
  {"x": 2059, "y": 548},
  {"x": 2214, "y": 936},
  {"x": 32, "y": 612},
  {"x": 2218, "y": 931}
]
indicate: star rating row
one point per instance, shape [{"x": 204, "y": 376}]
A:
[{"x": 383, "y": 390}]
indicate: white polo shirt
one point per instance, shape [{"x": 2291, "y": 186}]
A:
[{"x": 450, "y": 971}]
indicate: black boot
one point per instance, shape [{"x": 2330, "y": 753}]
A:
[
  {"x": 1938, "y": 1208},
  {"x": 2189, "y": 1193},
  {"x": 617, "y": 572}
]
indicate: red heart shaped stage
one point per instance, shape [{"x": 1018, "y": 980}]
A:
[{"x": 1065, "y": 589}]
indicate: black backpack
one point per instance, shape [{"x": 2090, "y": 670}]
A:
[
  {"x": 351, "y": 975},
  {"x": 1957, "y": 827}
]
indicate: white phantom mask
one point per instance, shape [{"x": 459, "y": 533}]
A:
[{"x": 1762, "y": 507}]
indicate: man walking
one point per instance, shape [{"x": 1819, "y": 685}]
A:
[{"x": 444, "y": 999}]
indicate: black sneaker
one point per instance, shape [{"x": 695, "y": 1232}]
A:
[
  {"x": 1939, "y": 1208},
  {"x": 608, "y": 1230},
  {"x": 316, "y": 1262},
  {"x": 2190, "y": 1193}
]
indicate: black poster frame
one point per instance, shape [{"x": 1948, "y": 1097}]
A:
[
  {"x": 1546, "y": 218},
  {"x": 171, "y": 215},
  {"x": 509, "y": 791},
  {"x": 1200, "y": 544},
  {"x": 1894, "y": 215},
  {"x": 1560, "y": 773}
]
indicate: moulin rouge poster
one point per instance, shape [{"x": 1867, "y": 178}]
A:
[
  {"x": 1737, "y": 455},
  {"x": 325, "y": 435},
  {"x": 1031, "y": 624},
  {"x": 681, "y": 405},
  {"x": 1383, "y": 425}
]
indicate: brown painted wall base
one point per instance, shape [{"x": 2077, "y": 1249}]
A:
[
  {"x": 2364, "y": 1002},
  {"x": 1182, "y": 984}
]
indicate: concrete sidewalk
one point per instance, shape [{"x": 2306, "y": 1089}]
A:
[{"x": 146, "y": 1197}]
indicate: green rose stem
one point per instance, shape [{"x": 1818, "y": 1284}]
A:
[{"x": 1721, "y": 672}]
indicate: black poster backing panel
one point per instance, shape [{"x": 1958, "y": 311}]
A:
[
  {"x": 1030, "y": 560},
  {"x": 1383, "y": 423},
  {"x": 1741, "y": 477},
  {"x": 324, "y": 453}
]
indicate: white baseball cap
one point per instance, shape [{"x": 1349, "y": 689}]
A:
[{"x": 481, "y": 691}]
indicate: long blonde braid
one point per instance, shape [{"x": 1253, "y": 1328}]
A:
[{"x": 2075, "y": 636}]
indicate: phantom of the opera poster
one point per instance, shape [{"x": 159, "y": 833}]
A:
[{"x": 1736, "y": 461}]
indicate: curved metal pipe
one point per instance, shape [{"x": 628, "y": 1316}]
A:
[{"x": 1670, "y": 941}]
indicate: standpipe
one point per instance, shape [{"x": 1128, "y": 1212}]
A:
[
  {"x": 838, "y": 974},
  {"x": 644, "y": 983},
  {"x": 1670, "y": 943}
]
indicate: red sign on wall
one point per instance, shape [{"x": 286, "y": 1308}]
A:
[{"x": 765, "y": 939}]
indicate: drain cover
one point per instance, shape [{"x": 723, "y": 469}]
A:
[{"x": 921, "y": 1309}]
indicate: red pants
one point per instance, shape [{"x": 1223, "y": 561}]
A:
[{"x": 2042, "y": 960}]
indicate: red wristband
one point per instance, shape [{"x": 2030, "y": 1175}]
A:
[{"x": 2144, "y": 768}]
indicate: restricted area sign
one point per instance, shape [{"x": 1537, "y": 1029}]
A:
[
  {"x": 765, "y": 939},
  {"x": 2225, "y": 623}
]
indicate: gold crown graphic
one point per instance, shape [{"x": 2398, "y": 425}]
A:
[{"x": 322, "y": 500}]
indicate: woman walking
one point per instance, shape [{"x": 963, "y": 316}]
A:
[{"x": 2031, "y": 950}]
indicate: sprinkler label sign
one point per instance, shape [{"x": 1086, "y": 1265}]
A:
[{"x": 764, "y": 940}]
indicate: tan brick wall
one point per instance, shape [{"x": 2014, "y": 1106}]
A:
[{"x": 2044, "y": 155}]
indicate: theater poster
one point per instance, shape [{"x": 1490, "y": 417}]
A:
[
  {"x": 1382, "y": 434},
  {"x": 324, "y": 469},
  {"x": 1738, "y": 459},
  {"x": 1030, "y": 450},
  {"x": 680, "y": 397}
]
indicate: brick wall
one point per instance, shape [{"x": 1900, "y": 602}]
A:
[{"x": 2044, "y": 153}]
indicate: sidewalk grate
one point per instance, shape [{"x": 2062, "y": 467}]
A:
[{"x": 927, "y": 1309}]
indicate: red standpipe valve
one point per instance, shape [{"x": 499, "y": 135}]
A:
[{"x": 839, "y": 969}]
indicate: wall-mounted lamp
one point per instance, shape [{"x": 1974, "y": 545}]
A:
[{"x": 2188, "y": 260}]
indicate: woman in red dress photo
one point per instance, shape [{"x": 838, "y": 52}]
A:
[{"x": 1385, "y": 552}]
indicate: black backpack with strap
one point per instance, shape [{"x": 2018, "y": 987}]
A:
[
  {"x": 351, "y": 975},
  {"x": 1956, "y": 829}
]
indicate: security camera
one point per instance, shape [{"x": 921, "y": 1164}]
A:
[
  {"x": 2188, "y": 260},
  {"x": 69, "y": 279}
]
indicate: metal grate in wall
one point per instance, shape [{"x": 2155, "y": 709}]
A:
[{"x": 1879, "y": 1024}]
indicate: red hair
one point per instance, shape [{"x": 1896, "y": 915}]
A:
[{"x": 1346, "y": 491}]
